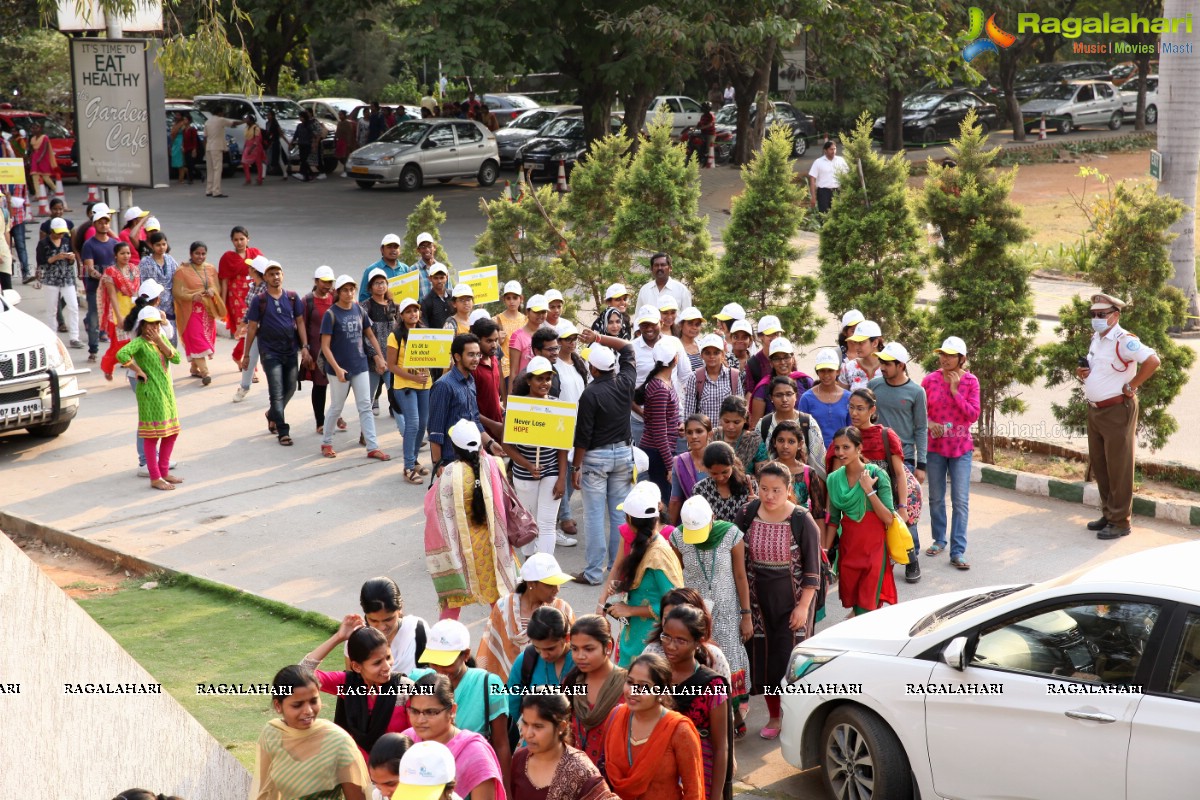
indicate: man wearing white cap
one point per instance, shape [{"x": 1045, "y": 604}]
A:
[
  {"x": 603, "y": 454},
  {"x": 729, "y": 314},
  {"x": 705, "y": 389},
  {"x": 648, "y": 324},
  {"x": 345, "y": 334},
  {"x": 427, "y": 259},
  {"x": 56, "y": 269},
  {"x": 616, "y": 300},
  {"x": 554, "y": 303},
  {"x": 389, "y": 261},
  {"x": 275, "y": 321},
  {"x": 952, "y": 394},
  {"x": 663, "y": 284},
  {"x": 97, "y": 255},
  {"x": 901, "y": 404},
  {"x": 1110, "y": 385},
  {"x": 759, "y": 365}
]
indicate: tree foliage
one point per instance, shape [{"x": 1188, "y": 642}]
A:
[
  {"x": 985, "y": 294},
  {"x": 1132, "y": 263},
  {"x": 870, "y": 254},
  {"x": 36, "y": 65},
  {"x": 523, "y": 243},
  {"x": 427, "y": 217},
  {"x": 756, "y": 268}
]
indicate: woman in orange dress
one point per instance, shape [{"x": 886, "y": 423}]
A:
[{"x": 198, "y": 306}]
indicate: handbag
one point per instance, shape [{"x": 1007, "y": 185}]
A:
[
  {"x": 521, "y": 527},
  {"x": 899, "y": 540}
]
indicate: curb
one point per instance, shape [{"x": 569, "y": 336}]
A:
[{"x": 1084, "y": 493}]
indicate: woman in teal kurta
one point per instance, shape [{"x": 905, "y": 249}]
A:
[{"x": 147, "y": 356}]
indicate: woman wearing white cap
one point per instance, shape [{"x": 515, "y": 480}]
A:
[
  {"x": 383, "y": 312},
  {"x": 316, "y": 303},
  {"x": 161, "y": 266},
  {"x": 690, "y": 323},
  {"x": 131, "y": 233},
  {"x": 426, "y": 772},
  {"x": 519, "y": 349},
  {"x": 554, "y": 302},
  {"x": 660, "y": 410},
  {"x": 850, "y": 321},
  {"x": 510, "y": 319},
  {"x": 462, "y": 299},
  {"x": 57, "y": 270},
  {"x": 616, "y": 300},
  {"x": 862, "y": 363},
  {"x": 149, "y": 294},
  {"x": 539, "y": 473},
  {"x": 158, "y": 418},
  {"x": 505, "y": 635},
  {"x": 198, "y": 306},
  {"x": 478, "y": 771},
  {"x": 410, "y": 390},
  {"x": 782, "y": 356},
  {"x": 827, "y": 402}
]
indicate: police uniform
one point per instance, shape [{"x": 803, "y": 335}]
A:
[{"x": 1114, "y": 358}]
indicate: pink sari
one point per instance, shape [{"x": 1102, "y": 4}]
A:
[{"x": 474, "y": 762}]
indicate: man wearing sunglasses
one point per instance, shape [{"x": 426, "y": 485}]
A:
[{"x": 1117, "y": 365}]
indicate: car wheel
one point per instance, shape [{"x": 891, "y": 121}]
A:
[
  {"x": 862, "y": 758},
  {"x": 488, "y": 173},
  {"x": 1114, "y": 123},
  {"x": 49, "y": 431},
  {"x": 410, "y": 178},
  {"x": 1151, "y": 115},
  {"x": 1065, "y": 125},
  {"x": 928, "y": 136},
  {"x": 799, "y": 145},
  {"x": 365, "y": 184}
]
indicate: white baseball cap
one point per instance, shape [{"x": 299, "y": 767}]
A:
[
  {"x": 564, "y": 328},
  {"x": 544, "y": 568},
  {"x": 132, "y": 213},
  {"x": 407, "y": 302},
  {"x": 476, "y": 315},
  {"x": 601, "y": 357},
  {"x": 512, "y": 287},
  {"x": 463, "y": 290},
  {"x": 648, "y": 314},
  {"x": 852, "y": 317},
  {"x": 152, "y": 225},
  {"x": 665, "y": 351},
  {"x": 689, "y": 313},
  {"x": 731, "y": 311},
  {"x": 769, "y": 324},
  {"x": 391, "y": 238},
  {"x": 376, "y": 273},
  {"x": 697, "y": 517},
  {"x": 446, "y": 640},
  {"x": 711, "y": 340},
  {"x": 953, "y": 346},
  {"x": 538, "y": 365},
  {"x": 423, "y": 237},
  {"x": 780, "y": 345},
  {"x": 323, "y": 274},
  {"x": 101, "y": 211},
  {"x": 668, "y": 303},
  {"x": 149, "y": 314},
  {"x": 894, "y": 351},
  {"x": 537, "y": 303},
  {"x": 57, "y": 224},
  {"x": 827, "y": 358},
  {"x": 743, "y": 326},
  {"x": 150, "y": 289},
  {"x": 342, "y": 280},
  {"x": 465, "y": 434},
  {"x": 258, "y": 264},
  {"x": 425, "y": 769},
  {"x": 437, "y": 268},
  {"x": 642, "y": 501},
  {"x": 641, "y": 460},
  {"x": 867, "y": 329},
  {"x": 616, "y": 290},
  {"x": 552, "y": 295}
]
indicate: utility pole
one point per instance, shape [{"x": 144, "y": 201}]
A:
[{"x": 114, "y": 30}]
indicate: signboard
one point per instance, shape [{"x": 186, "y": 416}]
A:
[
  {"x": 406, "y": 285},
  {"x": 484, "y": 281},
  {"x": 547, "y": 423},
  {"x": 1156, "y": 165},
  {"x": 86, "y": 15},
  {"x": 791, "y": 64},
  {"x": 119, "y": 112},
  {"x": 428, "y": 347},
  {"x": 12, "y": 170}
]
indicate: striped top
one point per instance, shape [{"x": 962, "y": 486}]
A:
[
  {"x": 545, "y": 457},
  {"x": 310, "y": 764},
  {"x": 661, "y": 412}
]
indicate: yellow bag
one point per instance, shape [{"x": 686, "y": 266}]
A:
[{"x": 899, "y": 540}]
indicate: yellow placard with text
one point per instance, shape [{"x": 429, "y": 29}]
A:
[
  {"x": 12, "y": 170},
  {"x": 406, "y": 285},
  {"x": 484, "y": 281},
  {"x": 428, "y": 347},
  {"x": 544, "y": 423}
]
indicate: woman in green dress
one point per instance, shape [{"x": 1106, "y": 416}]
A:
[{"x": 147, "y": 356}]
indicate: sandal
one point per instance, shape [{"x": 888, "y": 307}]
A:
[
  {"x": 327, "y": 451},
  {"x": 285, "y": 440},
  {"x": 421, "y": 468},
  {"x": 935, "y": 549},
  {"x": 379, "y": 455},
  {"x": 270, "y": 424},
  {"x": 959, "y": 562},
  {"x": 413, "y": 475},
  {"x": 341, "y": 424},
  {"x": 739, "y": 731},
  {"x": 769, "y": 733}
]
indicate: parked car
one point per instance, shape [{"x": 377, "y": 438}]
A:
[
  {"x": 561, "y": 139},
  {"x": 39, "y": 386},
  {"x": 233, "y": 155},
  {"x": 1086, "y": 685},
  {"x": 416, "y": 150},
  {"x": 508, "y": 107},
  {"x": 1074, "y": 104},
  {"x": 510, "y": 138},
  {"x": 684, "y": 111},
  {"x": 326, "y": 108},
  {"x": 937, "y": 116},
  {"x": 802, "y": 125},
  {"x": 13, "y": 121},
  {"x": 1129, "y": 93},
  {"x": 985, "y": 89},
  {"x": 1127, "y": 70},
  {"x": 240, "y": 106},
  {"x": 1032, "y": 80}
]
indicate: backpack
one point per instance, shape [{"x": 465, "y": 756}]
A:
[
  {"x": 764, "y": 426},
  {"x": 527, "y": 666},
  {"x": 702, "y": 378},
  {"x": 292, "y": 297},
  {"x": 887, "y": 463},
  {"x": 796, "y": 523}
]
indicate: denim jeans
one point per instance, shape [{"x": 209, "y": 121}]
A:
[
  {"x": 282, "y": 374},
  {"x": 564, "y": 508},
  {"x": 338, "y": 391},
  {"x": 18, "y": 239},
  {"x": 141, "y": 443},
  {"x": 251, "y": 365},
  {"x": 92, "y": 320},
  {"x": 412, "y": 420},
  {"x": 958, "y": 470},
  {"x": 606, "y": 479}
]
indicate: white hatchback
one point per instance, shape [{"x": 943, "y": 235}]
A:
[
  {"x": 415, "y": 150},
  {"x": 1086, "y": 686},
  {"x": 39, "y": 386}
]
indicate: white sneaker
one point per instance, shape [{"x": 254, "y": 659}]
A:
[
  {"x": 563, "y": 540},
  {"x": 240, "y": 394},
  {"x": 375, "y": 409},
  {"x": 321, "y": 176}
]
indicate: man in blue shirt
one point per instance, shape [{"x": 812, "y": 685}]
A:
[
  {"x": 453, "y": 398},
  {"x": 97, "y": 254},
  {"x": 276, "y": 318},
  {"x": 427, "y": 250},
  {"x": 389, "y": 261}
]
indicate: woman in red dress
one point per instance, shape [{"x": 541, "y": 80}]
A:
[
  {"x": 120, "y": 284},
  {"x": 234, "y": 274}
]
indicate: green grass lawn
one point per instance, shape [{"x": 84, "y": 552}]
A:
[{"x": 190, "y": 631}]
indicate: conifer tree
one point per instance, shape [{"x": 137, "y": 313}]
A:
[
  {"x": 985, "y": 295},
  {"x": 756, "y": 269},
  {"x": 870, "y": 251},
  {"x": 522, "y": 244},
  {"x": 427, "y": 217}
]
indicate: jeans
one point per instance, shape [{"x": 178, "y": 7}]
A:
[
  {"x": 377, "y": 382},
  {"x": 538, "y": 499},
  {"x": 277, "y": 154},
  {"x": 636, "y": 426},
  {"x": 251, "y": 365},
  {"x": 338, "y": 391},
  {"x": 958, "y": 469},
  {"x": 67, "y": 293},
  {"x": 607, "y": 478},
  {"x": 92, "y": 320},
  {"x": 282, "y": 374},
  {"x": 564, "y": 507},
  {"x": 412, "y": 420},
  {"x": 18, "y": 239},
  {"x": 141, "y": 443}
]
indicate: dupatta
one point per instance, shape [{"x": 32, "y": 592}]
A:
[{"x": 296, "y": 763}]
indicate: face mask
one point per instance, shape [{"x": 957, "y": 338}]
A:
[{"x": 1100, "y": 325}]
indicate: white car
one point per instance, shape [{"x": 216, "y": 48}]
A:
[
  {"x": 1129, "y": 93},
  {"x": 685, "y": 112},
  {"x": 1085, "y": 686},
  {"x": 326, "y": 108},
  {"x": 415, "y": 150},
  {"x": 39, "y": 386}
]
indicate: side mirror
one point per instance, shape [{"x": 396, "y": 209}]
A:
[{"x": 954, "y": 654}]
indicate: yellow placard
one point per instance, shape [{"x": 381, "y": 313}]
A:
[
  {"x": 12, "y": 170},
  {"x": 484, "y": 281},
  {"x": 406, "y": 285},
  {"x": 545, "y": 423},
  {"x": 428, "y": 347}
]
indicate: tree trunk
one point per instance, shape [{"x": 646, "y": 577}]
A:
[
  {"x": 893, "y": 131},
  {"x": 744, "y": 100},
  {"x": 636, "y": 105},
  {"x": 1179, "y": 143},
  {"x": 1012, "y": 106},
  {"x": 596, "y": 100},
  {"x": 746, "y": 91}
]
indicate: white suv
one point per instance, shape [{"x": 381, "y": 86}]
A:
[{"x": 39, "y": 387}]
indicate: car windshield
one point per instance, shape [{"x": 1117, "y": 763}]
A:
[
  {"x": 563, "y": 128},
  {"x": 284, "y": 109},
  {"x": 532, "y": 120},
  {"x": 1042, "y": 72},
  {"x": 922, "y": 102},
  {"x": 518, "y": 101},
  {"x": 52, "y": 128},
  {"x": 405, "y": 133},
  {"x": 727, "y": 115},
  {"x": 1059, "y": 91},
  {"x": 932, "y": 622}
]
